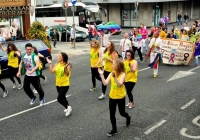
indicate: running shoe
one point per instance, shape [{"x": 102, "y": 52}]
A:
[
  {"x": 131, "y": 105},
  {"x": 128, "y": 104},
  {"x": 5, "y": 93},
  {"x": 20, "y": 86},
  {"x": 93, "y": 89},
  {"x": 14, "y": 85},
  {"x": 35, "y": 91},
  {"x": 112, "y": 133},
  {"x": 68, "y": 111},
  {"x": 102, "y": 96},
  {"x": 42, "y": 102},
  {"x": 154, "y": 76},
  {"x": 33, "y": 100}
]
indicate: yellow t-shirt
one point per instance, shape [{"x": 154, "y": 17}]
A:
[
  {"x": 130, "y": 76},
  {"x": 12, "y": 60},
  {"x": 61, "y": 78},
  {"x": 94, "y": 58},
  {"x": 162, "y": 34},
  {"x": 117, "y": 92},
  {"x": 107, "y": 64}
]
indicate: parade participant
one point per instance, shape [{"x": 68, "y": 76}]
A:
[
  {"x": 197, "y": 52},
  {"x": 162, "y": 34},
  {"x": 137, "y": 44},
  {"x": 95, "y": 61},
  {"x": 13, "y": 63},
  {"x": 144, "y": 32},
  {"x": 171, "y": 34},
  {"x": 5, "y": 92},
  {"x": 184, "y": 36},
  {"x": 125, "y": 44},
  {"x": 41, "y": 57},
  {"x": 62, "y": 71},
  {"x": 155, "y": 49},
  {"x": 131, "y": 70},
  {"x": 95, "y": 32},
  {"x": 90, "y": 30},
  {"x": 117, "y": 93},
  {"x": 110, "y": 54},
  {"x": 29, "y": 66}
]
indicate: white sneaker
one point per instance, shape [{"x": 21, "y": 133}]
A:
[
  {"x": 20, "y": 86},
  {"x": 102, "y": 96},
  {"x": 35, "y": 91},
  {"x": 5, "y": 93},
  {"x": 69, "y": 110},
  {"x": 14, "y": 85},
  {"x": 128, "y": 104}
]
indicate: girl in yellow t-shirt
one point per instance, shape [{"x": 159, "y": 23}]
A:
[
  {"x": 13, "y": 63},
  {"x": 95, "y": 62},
  {"x": 62, "y": 72},
  {"x": 117, "y": 93},
  {"x": 109, "y": 56},
  {"x": 131, "y": 69}
]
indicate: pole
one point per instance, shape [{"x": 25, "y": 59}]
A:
[
  {"x": 74, "y": 28},
  {"x": 66, "y": 22}
]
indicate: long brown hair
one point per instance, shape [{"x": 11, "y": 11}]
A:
[
  {"x": 120, "y": 67},
  {"x": 13, "y": 47},
  {"x": 97, "y": 45},
  {"x": 112, "y": 48}
]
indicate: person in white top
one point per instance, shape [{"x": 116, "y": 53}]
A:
[
  {"x": 125, "y": 44},
  {"x": 2, "y": 38},
  {"x": 72, "y": 35},
  {"x": 156, "y": 47},
  {"x": 13, "y": 32}
]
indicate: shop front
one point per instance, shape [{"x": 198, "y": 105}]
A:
[{"x": 16, "y": 11}]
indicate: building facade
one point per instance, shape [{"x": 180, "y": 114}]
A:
[{"x": 130, "y": 13}]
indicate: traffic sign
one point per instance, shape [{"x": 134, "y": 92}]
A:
[{"x": 73, "y": 2}]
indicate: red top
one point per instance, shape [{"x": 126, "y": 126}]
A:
[
  {"x": 95, "y": 32},
  {"x": 90, "y": 29}
]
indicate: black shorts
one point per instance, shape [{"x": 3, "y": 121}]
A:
[{"x": 72, "y": 39}]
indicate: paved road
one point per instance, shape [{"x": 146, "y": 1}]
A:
[{"x": 157, "y": 114}]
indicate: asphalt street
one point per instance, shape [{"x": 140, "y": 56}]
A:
[{"x": 164, "y": 110}]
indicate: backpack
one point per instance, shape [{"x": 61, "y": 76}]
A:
[{"x": 23, "y": 70}]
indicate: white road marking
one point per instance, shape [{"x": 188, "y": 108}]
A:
[
  {"x": 154, "y": 127},
  {"x": 181, "y": 74},
  {"x": 195, "y": 121},
  {"x": 144, "y": 69},
  {"x": 183, "y": 133},
  {"x": 188, "y": 104},
  {"x": 33, "y": 108}
]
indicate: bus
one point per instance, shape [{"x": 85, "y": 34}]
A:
[{"x": 86, "y": 12}]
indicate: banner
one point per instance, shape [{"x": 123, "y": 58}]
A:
[{"x": 177, "y": 52}]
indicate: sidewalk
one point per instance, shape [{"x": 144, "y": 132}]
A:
[{"x": 170, "y": 26}]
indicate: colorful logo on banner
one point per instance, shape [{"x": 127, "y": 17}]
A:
[{"x": 177, "y": 52}]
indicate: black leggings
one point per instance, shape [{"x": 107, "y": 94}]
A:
[
  {"x": 129, "y": 87},
  {"x": 13, "y": 73},
  {"x": 34, "y": 80},
  {"x": 112, "y": 107},
  {"x": 106, "y": 74},
  {"x": 2, "y": 86},
  {"x": 95, "y": 75},
  {"x": 62, "y": 91},
  {"x": 41, "y": 76},
  {"x": 139, "y": 52}
]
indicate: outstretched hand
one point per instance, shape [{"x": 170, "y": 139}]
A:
[{"x": 48, "y": 60}]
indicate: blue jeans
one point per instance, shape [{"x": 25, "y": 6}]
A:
[
  {"x": 96, "y": 37},
  {"x": 90, "y": 37},
  {"x": 197, "y": 60},
  {"x": 179, "y": 22},
  {"x": 54, "y": 43},
  {"x": 166, "y": 25},
  {"x": 13, "y": 38}
]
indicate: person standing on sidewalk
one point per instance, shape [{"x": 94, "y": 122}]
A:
[
  {"x": 60, "y": 30},
  {"x": 90, "y": 31},
  {"x": 131, "y": 70},
  {"x": 54, "y": 37},
  {"x": 62, "y": 71},
  {"x": 179, "y": 19},
  {"x": 95, "y": 62},
  {"x": 166, "y": 19},
  {"x": 13, "y": 32},
  {"x": 186, "y": 17},
  {"x": 125, "y": 44},
  {"x": 29, "y": 66},
  {"x": 117, "y": 94},
  {"x": 110, "y": 54},
  {"x": 73, "y": 35},
  {"x": 13, "y": 63},
  {"x": 5, "y": 92}
]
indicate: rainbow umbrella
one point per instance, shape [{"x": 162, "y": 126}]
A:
[{"x": 109, "y": 26}]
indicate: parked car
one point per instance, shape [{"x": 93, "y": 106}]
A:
[
  {"x": 109, "y": 28},
  {"x": 80, "y": 36},
  {"x": 41, "y": 47}
]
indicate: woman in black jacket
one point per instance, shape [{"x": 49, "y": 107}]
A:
[{"x": 171, "y": 34}]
